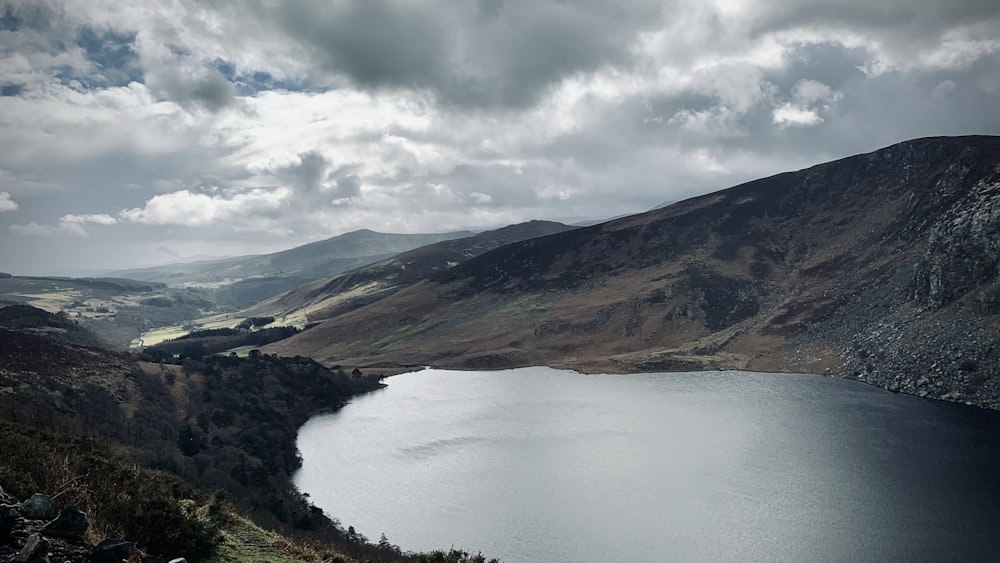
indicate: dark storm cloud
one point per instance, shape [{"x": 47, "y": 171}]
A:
[
  {"x": 348, "y": 186},
  {"x": 210, "y": 91},
  {"x": 376, "y": 43},
  {"x": 491, "y": 53},
  {"x": 317, "y": 183},
  {"x": 309, "y": 174}
]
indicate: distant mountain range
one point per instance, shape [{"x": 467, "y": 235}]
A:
[
  {"x": 245, "y": 280},
  {"x": 881, "y": 267}
]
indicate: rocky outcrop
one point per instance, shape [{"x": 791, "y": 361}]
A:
[
  {"x": 35, "y": 531},
  {"x": 963, "y": 253}
]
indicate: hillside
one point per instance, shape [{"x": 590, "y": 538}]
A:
[
  {"x": 881, "y": 267},
  {"x": 340, "y": 293},
  {"x": 32, "y": 320},
  {"x": 119, "y": 310},
  {"x": 248, "y": 279},
  {"x": 137, "y": 444},
  {"x": 114, "y": 311}
]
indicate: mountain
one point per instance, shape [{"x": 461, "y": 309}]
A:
[
  {"x": 881, "y": 267},
  {"x": 246, "y": 280},
  {"x": 340, "y": 293}
]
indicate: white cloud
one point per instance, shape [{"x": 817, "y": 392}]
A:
[
  {"x": 480, "y": 198},
  {"x": 96, "y": 218},
  {"x": 189, "y": 209},
  {"x": 789, "y": 115},
  {"x": 809, "y": 99},
  {"x": 70, "y": 224},
  {"x": 6, "y": 203},
  {"x": 73, "y": 224},
  {"x": 810, "y": 92}
]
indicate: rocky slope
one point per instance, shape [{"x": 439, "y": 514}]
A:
[{"x": 881, "y": 267}]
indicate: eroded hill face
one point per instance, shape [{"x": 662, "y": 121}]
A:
[{"x": 881, "y": 267}]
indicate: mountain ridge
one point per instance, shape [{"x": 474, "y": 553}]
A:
[
  {"x": 342, "y": 292},
  {"x": 795, "y": 272},
  {"x": 347, "y": 251}
]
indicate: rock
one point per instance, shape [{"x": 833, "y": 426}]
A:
[
  {"x": 111, "y": 551},
  {"x": 178, "y": 560},
  {"x": 38, "y": 507},
  {"x": 72, "y": 523},
  {"x": 5, "y": 498},
  {"x": 35, "y": 548},
  {"x": 8, "y": 520}
]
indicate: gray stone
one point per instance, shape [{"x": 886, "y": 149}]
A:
[
  {"x": 8, "y": 520},
  {"x": 111, "y": 551},
  {"x": 38, "y": 507},
  {"x": 72, "y": 523},
  {"x": 34, "y": 548},
  {"x": 5, "y": 498}
]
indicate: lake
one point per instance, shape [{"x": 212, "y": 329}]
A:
[{"x": 538, "y": 464}]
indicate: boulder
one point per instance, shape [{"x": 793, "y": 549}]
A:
[
  {"x": 8, "y": 521},
  {"x": 38, "y": 507},
  {"x": 71, "y": 523},
  {"x": 111, "y": 551},
  {"x": 35, "y": 548}
]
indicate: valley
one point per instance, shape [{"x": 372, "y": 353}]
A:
[{"x": 881, "y": 268}]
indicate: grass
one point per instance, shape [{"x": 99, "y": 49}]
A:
[
  {"x": 245, "y": 542},
  {"x": 337, "y": 298},
  {"x": 221, "y": 320},
  {"x": 242, "y": 351},
  {"x": 162, "y": 334}
]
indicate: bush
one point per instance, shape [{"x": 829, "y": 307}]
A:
[{"x": 156, "y": 511}]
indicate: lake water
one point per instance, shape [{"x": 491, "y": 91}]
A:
[{"x": 544, "y": 465}]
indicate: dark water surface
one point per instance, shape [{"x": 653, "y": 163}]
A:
[{"x": 538, "y": 464}]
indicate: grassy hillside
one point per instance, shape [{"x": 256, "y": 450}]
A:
[{"x": 334, "y": 295}]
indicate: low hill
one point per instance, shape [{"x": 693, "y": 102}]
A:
[
  {"x": 32, "y": 320},
  {"x": 337, "y": 294},
  {"x": 884, "y": 267}
]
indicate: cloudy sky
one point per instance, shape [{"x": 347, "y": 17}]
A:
[{"x": 146, "y": 132}]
